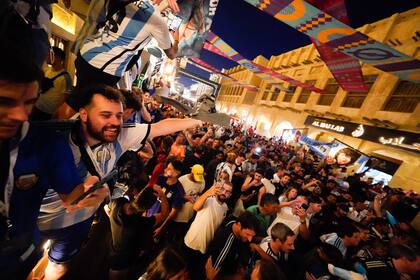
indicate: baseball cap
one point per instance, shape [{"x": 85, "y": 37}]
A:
[{"x": 198, "y": 171}]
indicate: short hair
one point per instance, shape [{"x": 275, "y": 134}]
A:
[
  {"x": 260, "y": 171},
  {"x": 248, "y": 221},
  {"x": 110, "y": 93},
  {"x": 347, "y": 230},
  {"x": 18, "y": 68},
  {"x": 132, "y": 100},
  {"x": 178, "y": 165},
  {"x": 314, "y": 199},
  {"x": 269, "y": 270},
  {"x": 268, "y": 198},
  {"x": 59, "y": 53},
  {"x": 144, "y": 200},
  {"x": 403, "y": 251},
  {"x": 280, "y": 232},
  {"x": 166, "y": 265},
  {"x": 231, "y": 157}
]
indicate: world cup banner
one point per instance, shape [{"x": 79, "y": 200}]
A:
[{"x": 193, "y": 22}]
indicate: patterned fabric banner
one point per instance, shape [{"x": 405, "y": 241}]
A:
[
  {"x": 204, "y": 64},
  {"x": 215, "y": 50},
  {"x": 260, "y": 70},
  {"x": 327, "y": 30},
  {"x": 345, "y": 69}
]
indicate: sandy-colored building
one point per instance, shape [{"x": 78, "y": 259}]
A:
[{"x": 390, "y": 103}]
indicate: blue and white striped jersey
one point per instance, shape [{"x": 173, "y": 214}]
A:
[{"x": 127, "y": 32}]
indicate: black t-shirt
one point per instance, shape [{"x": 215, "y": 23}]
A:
[
  {"x": 130, "y": 233},
  {"x": 227, "y": 251},
  {"x": 253, "y": 191}
]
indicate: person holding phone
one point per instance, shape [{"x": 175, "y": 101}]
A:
[
  {"x": 97, "y": 141},
  {"x": 33, "y": 159},
  {"x": 211, "y": 209}
]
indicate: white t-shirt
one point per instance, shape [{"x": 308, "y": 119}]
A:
[
  {"x": 113, "y": 46},
  {"x": 192, "y": 189},
  {"x": 53, "y": 214},
  {"x": 205, "y": 224}
]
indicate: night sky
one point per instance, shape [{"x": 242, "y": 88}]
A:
[{"x": 252, "y": 32}]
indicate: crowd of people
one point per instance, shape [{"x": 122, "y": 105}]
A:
[{"x": 132, "y": 189}]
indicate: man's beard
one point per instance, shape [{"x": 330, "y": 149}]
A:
[
  {"x": 100, "y": 134},
  {"x": 222, "y": 198}
]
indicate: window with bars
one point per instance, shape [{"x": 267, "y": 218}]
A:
[
  {"x": 330, "y": 90},
  {"x": 289, "y": 93},
  {"x": 305, "y": 93},
  {"x": 404, "y": 98},
  {"x": 275, "y": 94},
  {"x": 356, "y": 99},
  {"x": 266, "y": 92}
]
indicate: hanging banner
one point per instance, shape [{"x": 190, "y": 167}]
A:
[
  {"x": 260, "y": 70},
  {"x": 193, "y": 23},
  {"x": 196, "y": 60},
  {"x": 327, "y": 30},
  {"x": 215, "y": 50},
  {"x": 345, "y": 69},
  {"x": 335, "y": 152}
]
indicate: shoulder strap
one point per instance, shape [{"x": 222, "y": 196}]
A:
[
  {"x": 58, "y": 75},
  {"x": 75, "y": 134}
]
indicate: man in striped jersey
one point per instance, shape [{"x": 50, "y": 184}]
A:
[
  {"x": 104, "y": 56},
  {"x": 229, "y": 250},
  {"x": 277, "y": 247}
]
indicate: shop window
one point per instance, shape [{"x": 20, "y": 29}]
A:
[
  {"x": 356, "y": 99},
  {"x": 404, "y": 98},
  {"x": 289, "y": 93},
  {"x": 305, "y": 93},
  {"x": 330, "y": 90}
]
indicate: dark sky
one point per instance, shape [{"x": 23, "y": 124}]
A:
[{"x": 252, "y": 32}]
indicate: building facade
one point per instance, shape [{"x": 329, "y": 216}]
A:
[{"x": 390, "y": 103}]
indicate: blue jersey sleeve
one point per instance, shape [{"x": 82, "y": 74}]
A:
[{"x": 64, "y": 176}]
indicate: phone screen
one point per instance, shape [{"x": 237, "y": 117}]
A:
[{"x": 175, "y": 23}]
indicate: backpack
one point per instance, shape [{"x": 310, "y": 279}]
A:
[{"x": 48, "y": 83}]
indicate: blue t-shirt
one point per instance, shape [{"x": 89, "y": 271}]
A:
[
  {"x": 44, "y": 161},
  {"x": 174, "y": 193}
]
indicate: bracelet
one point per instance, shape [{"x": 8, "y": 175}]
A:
[{"x": 303, "y": 221}]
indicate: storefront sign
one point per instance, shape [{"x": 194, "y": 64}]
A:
[{"x": 390, "y": 137}]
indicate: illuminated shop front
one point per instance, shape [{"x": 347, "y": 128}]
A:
[{"x": 399, "y": 151}]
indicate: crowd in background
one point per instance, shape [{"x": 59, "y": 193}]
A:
[{"x": 182, "y": 199}]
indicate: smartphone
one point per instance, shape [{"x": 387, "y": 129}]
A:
[
  {"x": 96, "y": 186},
  {"x": 175, "y": 23}
]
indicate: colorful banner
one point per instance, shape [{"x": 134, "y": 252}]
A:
[
  {"x": 345, "y": 69},
  {"x": 327, "y": 30},
  {"x": 260, "y": 70},
  {"x": 195, "y": 19},
  {"x": 207, "y": 66}
]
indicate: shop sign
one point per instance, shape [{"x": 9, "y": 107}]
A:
[{"x": 390, "y": 137}]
